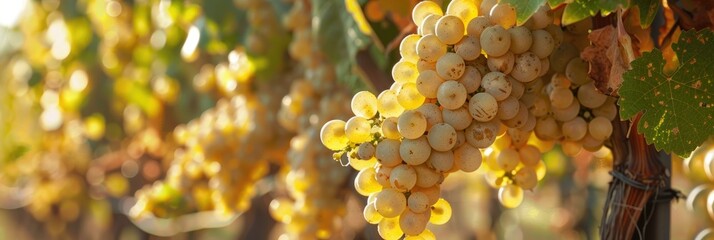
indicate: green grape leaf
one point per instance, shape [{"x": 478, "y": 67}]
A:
[
  {"x": 524, "y": 8},
  {"x": 582, "y": 9},
  {"x": 338, "y": 35},
  {"x": 678, "y": 108},
  {"x": 648, "y": 11}
]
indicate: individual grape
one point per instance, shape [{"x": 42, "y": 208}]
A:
[
  {"x": 333, "y": 135},
  {"x": 364, "y": 104},
  {"x": 589, "y": 96},
  {"x": 365, "y": 151},
  {"x": 403, "y": 178},
  {"x": 567, "y": 114},
  {"x": 527, "y": 66},
  {"x": 432, "y": 113},
  {"x": 390, "y": 203},
  {"x": 440, "y": 212},
  {"x": 471, "y": 79},
  {"x": 464, "y": 9},
  {"x": 508, "y": 108},
  {"x": 577, "y": 71},
  {"x": 432, "y": 193},
  {"x": 517, "y": 87},
  {"x": 409, "y": 97},
  {"x": 508, "y": 159},
  {"x": 607, "y": 110},
  {"x": 413, "y": 223},
  {"x": 495, "y": 41},
  {"x": 450, "y": 66},
  {"x": 571, "y": 148},
  {"x": 520, "y": 119},
  {"x": 426, "y": 177},
  {"x": 411, "y": 124},
  {"x": 423, "y": 65},
  {"x": 358, "y": 130},
  {"x": 477, "y": 25},
  {"x": 543, "y": 43},
  {"x": 600, "y": 128},
  {"x": 523, "y": 39},
  {"x": 424, "y": 9},
  {"x": 542, "y": 17},
  {"x": 467, "y": 158},
  {"x": 428, "y": 25},
  {"x": 526, "y": 178},
  {"x": 561, "y": 98},
  {"x": 469, "y": 48},
  {"x": 442, "y": 137},
  {"x": 358, "y": 164},
  {"x": 451, "y": 94},
  {"x": 561, "y": 56},
  {"x": 458, "y": 118},
  {"x": 575, "y": 129},
  {"x": 404, "y": 72},
  {"x": 428, "y": 83},
  {"x": 486, "y": 6},
  {"x": 482, "y": 134},
  {"x": 530, "y": 155},
  {"x": 418, "y": 202},
  {"x": 388, "y": 152},
  {"x": 388, "y": 104},
  {"x": 407, "y": 48},
  {"x": 389, "y": 229},
  {"x": 497, "y": 85},
  {"x": 441, "y": 161},
  {"x": 382, "y": 174},
  {"x": 366, "y": 182},
  {"x": 430, "y": 48},
  {"x": 530, "y": 124},
  {"x": 389, "y": 128},
  {"x": 502, "y": 63},
  {"x": 483, "y": 107},
  {"x": 503, "y": 14},
  {"x": 450, "y": 29},
  {"x": 371, "y": 215},
  {"x": 415, "y": 151},
  {"x": 540, "y": 106},
  {"x": 590, "y": 143},
  {"x": 510, "y": 196},
  {"x": 519, "y": 138}
]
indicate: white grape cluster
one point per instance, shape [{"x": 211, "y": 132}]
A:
[
  {"x": 263, "y": 22},
  {"x": 221, "y": 156},
  {"x": 315, "y": 205}
]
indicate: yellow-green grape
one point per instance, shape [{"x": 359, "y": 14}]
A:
[
  {"x": 403, "y": 178},
  {"x": 600, "y": 128},
  {"x": 476, "y": 26},
  {"x": 388, "y": 152},
  {"x": 450, "y": 66},
  {"x": 590, "y": 97},
  {"x": 503, "y": 14},
  {"x": 530, "y": 155},
  {"x": 389, "y": 128},
  {"x": 413, "y": 223},
  {"x": 390, "y": 203},
  {"x": 527, "y": 67},
  {"x": 366, "y": 182},
  {"x": 464, "y": 9},
  {"x": 333, "y": 135},
  {"x": 575, "y": 129},
  {"x": 358, "y": 164},
  {"x": 450, "y": 29},
  {"x": 469, "y": 48},
  {"x": 428, "y": 25},
  {"x": 508, "y": 159},
  {"x": 388, "y": 105},
  {"x": 418, "y": 202},
  {"x": 428, "y": 83},
  {"x": 383, "y": 174},
  {"x": 503, "y": 63},
  {"x": 510, "y": 196},
  {"x": 281, "y": 209},
  {"x": 370, "y": 214},
  {"x": 526, "y": 178},
  {"x": 409, "y": 97},
  {"x": 424, "y": 9},
  {"x": 407, "y": 48},
  {"x": 442, "y": 137},
  {"x": 432, "y": 113},
  {"x": 483, "y": 107},
  {"x": 497, "y": 85},
  {"x": 543, "y": 43},
  {"x": 430, "y": 48},
  {"x": 467, "y": 158},
  {"x": 561, "y": 98},
  {"x": 365, "y": 151},
  {"x": 577, "y": 71},
  {"x": 389, "y": 229},
  {"x": 459, "y": 118},
  {"x": 525, "y": 39},
  {"x": 482, "y": 134},
  {"x": 495, "y": 41},
  {"x": 404, "y": 72},
  {"x": 358, "y": 130},
  {"x": 440, "y": 212},
  {"x": 364, "y": 104},
  {"x": 451, "y": 95},
  {"x": 426, "y": 176},
  {"x": 441, "y": 161},
  {"x": 411, "y": 124},
  {"x": 415, "y": 151},
  {"x": 427, "y": 235}
]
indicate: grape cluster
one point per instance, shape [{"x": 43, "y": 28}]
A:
[
  {"x": 468, "y": 88},
  {"x": 315, "y": 204}
]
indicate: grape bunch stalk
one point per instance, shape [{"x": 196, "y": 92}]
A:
[{"x": 471, "y": 87}]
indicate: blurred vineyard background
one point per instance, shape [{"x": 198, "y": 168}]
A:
[{"x": 103, "y": 104}]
